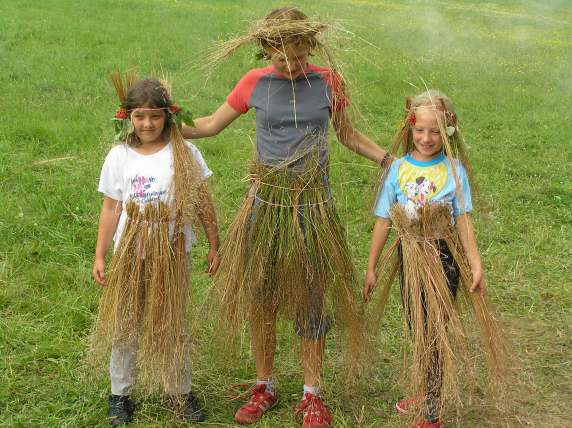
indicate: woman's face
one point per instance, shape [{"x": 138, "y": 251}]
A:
[{"x": 291, "y": 62}]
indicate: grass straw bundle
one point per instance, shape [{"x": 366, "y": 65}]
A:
[
  {"x": 275, "y": 33},
  {"x": 145, "y": 299},
  {"x": 186, "y": 184},
  {"x": 286, "y": 253},
  {"x": 122, "y": 83},
  {"x": 441, "y": 364}
]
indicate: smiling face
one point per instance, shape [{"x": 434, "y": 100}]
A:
[
  {"x": 148, "y": 124},
  {"x": 291, "y": 62},
  {"x": 427, "y": 138}
]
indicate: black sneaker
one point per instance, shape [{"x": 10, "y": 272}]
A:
[
  {"x": 190, "y": 410},
  {"x": 121, "y": 410}
]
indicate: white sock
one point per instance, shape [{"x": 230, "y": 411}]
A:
[
  {"x": 314, "y": 390},
  {"x": 269, "y": 384}
]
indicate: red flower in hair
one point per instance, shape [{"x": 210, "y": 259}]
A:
[
  {"x": 412, "y": 119},
  {"x": 174, "y": 108},
  {"x": 121, "y": 113}
]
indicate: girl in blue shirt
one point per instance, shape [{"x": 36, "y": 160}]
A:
[{"x": 426, "y": 197}]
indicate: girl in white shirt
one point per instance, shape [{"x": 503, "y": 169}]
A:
[{"x": 155, "y": 192}]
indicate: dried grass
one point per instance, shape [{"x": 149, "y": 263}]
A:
[
  {"x": 275, "y": 33},
  {"x": 442, "y": 367},
  {"x": 286, "y": 253},
  {"x": 145, "y": 298}
]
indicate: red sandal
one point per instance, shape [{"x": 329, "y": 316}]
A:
[{"x": 260, "y": 401}]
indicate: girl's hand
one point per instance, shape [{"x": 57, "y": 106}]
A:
[
  {"x": 212, "y": 262},
  {"x": 98, "y": 271},
  {"x": 369, "y": 285},
  {"x": 478, "y": 281}
]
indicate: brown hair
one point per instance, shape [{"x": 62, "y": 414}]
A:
[
  {"x": 150, "y": 93},
  {"x": 284, "y": 16}
]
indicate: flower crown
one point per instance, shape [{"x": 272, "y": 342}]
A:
[
  {"x": 450, "y": 120},
  {"x": 123, "y": 126}
]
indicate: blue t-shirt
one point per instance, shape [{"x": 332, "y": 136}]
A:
[{"x": 413, "y": 184}]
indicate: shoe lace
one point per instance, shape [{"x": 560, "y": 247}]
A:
[
  {"x": 313, "y": 405},
  {"x": 259, "y": 395}
]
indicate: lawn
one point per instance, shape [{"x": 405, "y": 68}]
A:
[{"x": 506, "y": 64}]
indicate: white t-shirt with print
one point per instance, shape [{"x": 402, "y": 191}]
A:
[{"x": 127, "y": 175}]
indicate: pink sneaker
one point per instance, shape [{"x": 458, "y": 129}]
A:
[
  {"x": 260, "y": 401},
  {"x": 314, "y": 411}
]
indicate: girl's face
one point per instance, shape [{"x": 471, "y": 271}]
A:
[
  {"x": 291, "y": 62},
  {"x": 426, "y": 135},
  {"x": 148, "y": 124}
]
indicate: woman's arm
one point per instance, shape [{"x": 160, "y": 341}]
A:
[
  {"x": 108, "y": 218},
  {"x": 211, "y": 125},
  {"x": 379, "y": 238},
  {"x": 207, "y": 215},
  {"x": 354, "y": 139},
  {"x": 466, "y": 232}
]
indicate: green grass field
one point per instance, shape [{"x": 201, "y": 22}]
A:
[{"x": 507, "y": 66}]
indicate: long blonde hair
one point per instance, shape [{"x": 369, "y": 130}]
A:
[{"x": 453, "y": 142}]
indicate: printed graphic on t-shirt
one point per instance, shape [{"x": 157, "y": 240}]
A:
[
  {"x": 420, "y": 184},
  {"x": 142, "y": 189}
]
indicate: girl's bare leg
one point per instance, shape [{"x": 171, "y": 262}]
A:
[
  {"x": 263, "y": 342},
  {"x": 312, "y": 354}
]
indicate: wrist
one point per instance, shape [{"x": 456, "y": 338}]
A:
[{"x": 385, "y": 160}]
